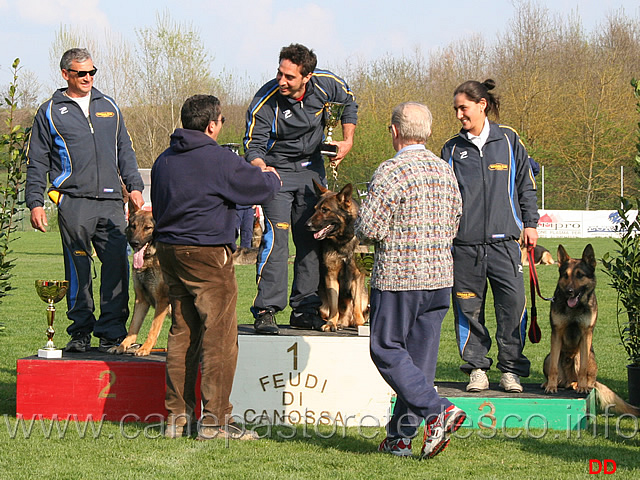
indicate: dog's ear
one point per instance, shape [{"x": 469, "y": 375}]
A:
[
  {"x": 133, "y": 208},
  {"x": 588, "y": 256},
  {"x": 320, "y": 190},
  {"x": 563, "y": 256},
  {"x": 345, "y": 194}
]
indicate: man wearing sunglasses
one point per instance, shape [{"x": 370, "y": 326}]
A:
[{"x": 80, "y": 148}]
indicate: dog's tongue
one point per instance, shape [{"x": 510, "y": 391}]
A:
[
  {"x": 138, "y": 257},
  {"x": 322, "y": 233},
  {"x": 572, "y": 302}
]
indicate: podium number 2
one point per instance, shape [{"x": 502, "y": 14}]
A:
[{"x": 104, "y": 393}]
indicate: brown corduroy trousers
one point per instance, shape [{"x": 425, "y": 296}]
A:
[{"x": 204, "y": 331}]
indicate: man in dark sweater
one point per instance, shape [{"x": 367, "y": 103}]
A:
[{"x": 195, "y": 186}]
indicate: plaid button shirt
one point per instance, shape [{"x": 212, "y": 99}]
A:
[{"x": 411, "y": 214}]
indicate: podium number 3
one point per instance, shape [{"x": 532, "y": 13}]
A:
[{"x": 104, "y": 393}]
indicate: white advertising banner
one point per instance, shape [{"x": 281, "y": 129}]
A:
[{"x": 578, "y": 223}]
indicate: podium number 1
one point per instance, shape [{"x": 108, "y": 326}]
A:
[{"x": 294, "y": 349}]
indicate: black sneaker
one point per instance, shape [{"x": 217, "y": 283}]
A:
[
  {"x": 80, "y": 342},
  {"x": 308, "y": 320},
  {"x": 266, "y": 322},
  {"x": 107, "y": 344}
]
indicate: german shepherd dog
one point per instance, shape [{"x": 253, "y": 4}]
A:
[
  {"x": 574, "y": 311},
  {"x": 541, "y": 255},
  {"x": 342, "y": 287},
  {"x": 148, "y": 283}
]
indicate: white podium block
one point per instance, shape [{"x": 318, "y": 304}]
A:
[
  {"x": 363, "y": 330},
  {"x": 44, "y": 353},
  {"x": 302, "y": 377}
]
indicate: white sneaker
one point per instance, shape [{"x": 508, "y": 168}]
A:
[
  {"x": 435, "y": 437},
  {"x": 510, "y": 382},
  {"x": 400, "y": 447},
  {"x": 478, "y": 380}
]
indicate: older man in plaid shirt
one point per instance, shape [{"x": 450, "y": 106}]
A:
[{"x": 411, "y": 214}]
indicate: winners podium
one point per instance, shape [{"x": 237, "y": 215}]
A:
[{"x": 299, "y": 377}]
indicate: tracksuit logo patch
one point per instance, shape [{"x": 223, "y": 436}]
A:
[{"x": 464, "y": 295}]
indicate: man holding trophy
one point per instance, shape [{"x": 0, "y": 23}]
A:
[{"x": 285, "y": 130}]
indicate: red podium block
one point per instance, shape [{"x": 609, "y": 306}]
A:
[{"x": 92, "y": 386}]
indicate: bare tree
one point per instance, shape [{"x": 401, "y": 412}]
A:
[
  {"x": 593, "y": 134},
  {"x": 523, "y": 70},
  {"x": 463, "y": 60},
  {"x": 70, "y": 37},
  {"x": 379, "y": 86},
  {"x": 27, "y": 92},
  {"x": 171, "y": 65},
  {"x": 117, "y": 77}
]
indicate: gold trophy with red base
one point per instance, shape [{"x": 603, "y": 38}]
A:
[{"x": 51, "y": 292}]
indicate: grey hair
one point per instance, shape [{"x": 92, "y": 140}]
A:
[
  {"x": 413, "y": 121},
  {"x": 78, "y": 54}
]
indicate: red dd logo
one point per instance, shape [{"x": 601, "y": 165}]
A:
[{"x": 605, "y": 466}]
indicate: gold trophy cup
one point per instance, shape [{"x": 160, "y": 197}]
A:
[
  {"x": 332, "y": 115},
  {"x": 364, "y": 261},
  {"x": 51, "y": 291}
]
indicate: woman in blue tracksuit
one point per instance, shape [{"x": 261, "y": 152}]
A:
[{"x": 499, "y": 201}]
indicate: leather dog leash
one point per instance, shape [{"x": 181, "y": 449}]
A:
[{"x": 534, "y": 329}]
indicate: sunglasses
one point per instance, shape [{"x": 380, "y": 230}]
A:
[
  {"x": 83, "y": 73},
  {"x": 222, "y": 119}
]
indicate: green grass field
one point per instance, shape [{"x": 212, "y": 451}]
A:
[{"x": 137, "y": 450}]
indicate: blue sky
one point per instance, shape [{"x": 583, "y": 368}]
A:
[{"x": 244, "y": 37}]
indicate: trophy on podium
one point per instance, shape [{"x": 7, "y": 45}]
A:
[
  {"x": 51, "y": 291},
  {"x": 364, "y": 261},
  {"x": 332, "y": 114}
]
